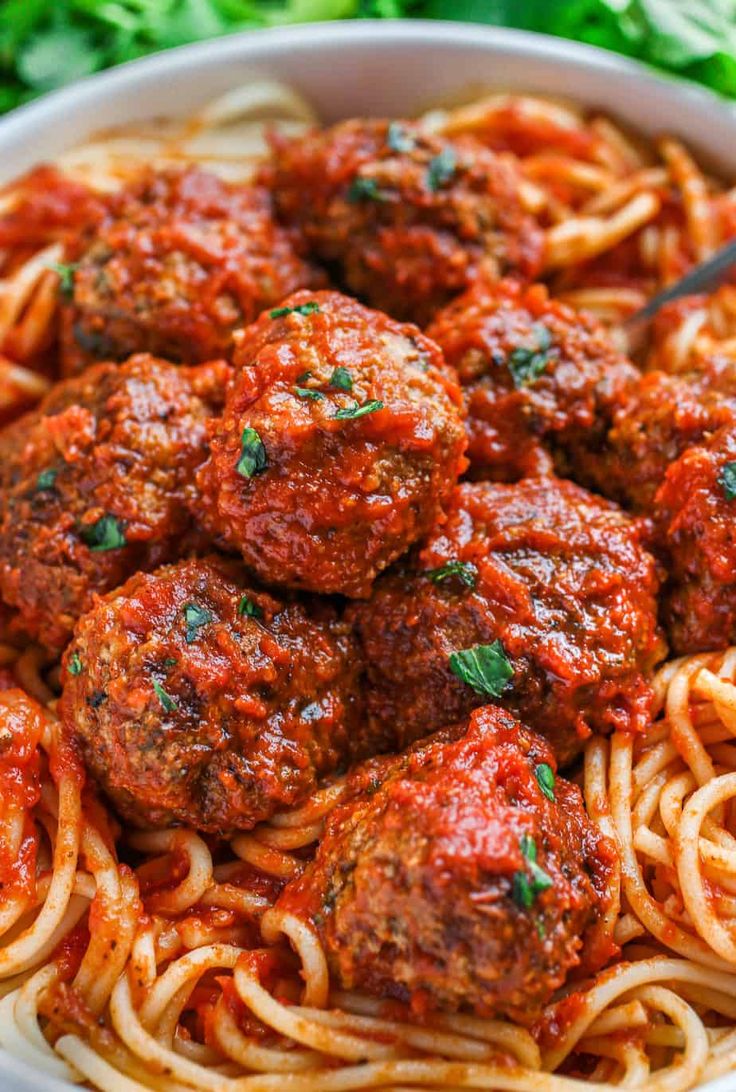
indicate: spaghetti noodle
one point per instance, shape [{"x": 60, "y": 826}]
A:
[{"x": 157, "y": 960}]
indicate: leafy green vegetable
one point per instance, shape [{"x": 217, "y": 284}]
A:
[
  {"x": 398, "y": 138},
  {"x": 351, "y": 413},
  {"x": 441, "y": 169},
  {"x": 525, "y": 890},
  {"x": 486, "y": 668},
  {"x": 65, "y": 271},
  {"x": 526, "y": 363},
  {"x": 364, "y": 189},
  {"x": 105, "y": 534},
  {"x": 250, "y": 609},
  {"x": 546, "y": 780},
  {"x": 168, "y": 704},
  {"x": 195, "y": 617},
  {"x": 341, "y": 380},
  {"x": 307, "y": 308},
  {"x": 253, "y": 459},
  {"x": 307, "y": 392},
  {"x": 465, "y": 572},
  {"x": 46, "y": 480},
  {"x": 727, "y": 481},
  {"x": 74, "y": 667}
]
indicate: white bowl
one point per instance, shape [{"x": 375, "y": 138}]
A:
[{"x": 354, "y": 68}]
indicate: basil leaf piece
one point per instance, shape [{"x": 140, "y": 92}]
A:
[
  {"x": 399, "y": 139},
  {"x": 364, "y": 189},
  {"x": 74, "y": 667},
  {"x": 105, "y": 534},
  {"x": 250, "y": 609},
  {"x": 526, "y": 363},
  {"x": 195, "y": 617},
  {"x": 465, "y": 572},
  {"x": 46, "y": 480},
  {"x": 727, "y": 481},
  {"x": 351, "y": 413},
  {"x": 65, "y": 271},
  {"x": 308, "y": 308},
  {"x": 485, "y": 668},
  {"x": 167, "y": 702},
  {"x": 307, "y": 392},
  {"x": 341, "y": 380},
  {"x": 253, "y": 459},
  {"x": 546, "y": 780},
  {"x": 441, "y": 169}
]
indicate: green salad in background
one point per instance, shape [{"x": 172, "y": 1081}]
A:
[{"x": 47, "y": 43}]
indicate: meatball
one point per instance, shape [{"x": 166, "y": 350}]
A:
[
  {"x": 340, "y": 443},
  {"x": 537, "y": 593},
  {"x": 695, "y": 516},
  {"x": 658, "y": 418},
  {"x": 95, "y": 483},
  {"x": 484, "y": 900},
  {"x": 180, "y": 261},
  {"x": 199, "y": 700},
  {"x": 407, "y": 217},
  {"x": 532, "y": 370}
]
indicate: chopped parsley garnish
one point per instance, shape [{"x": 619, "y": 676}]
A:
[
  {"x": 74, "y": 667},
  {"x": 303, "y": 377},
  {"x": 441, "y": 169},
  {"x": 170, "y": 661},
  {"x": 167, "y": 702},
  {"x": 307, "y": 392},
  {"x": 546, "y": 780},
  {"x": 341, "y": 380},
  {"x": 253, "y": 459},
  {"x": 526, "y": 363},
  {"x": 486, "y": 668},
  {"x": 65, "y": 272},
  {"x": 727, "y": 481},
  {"x": 525, "y": 889},
  {"x": 105, "y": 534},
  {"x": 350, "y": 413},
  {"x": 308, "y": 308},
  {"x": 398, "y": 139},
  {"x": 195, "y": 617},
  {"x": 248, "y": 608},
  {"x": 46, "y": 480},
  {"x": 463, "y": 570},
  {"x": 364, "y": 189}
]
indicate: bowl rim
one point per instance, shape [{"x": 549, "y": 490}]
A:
[{"x": 249, "y": 43}]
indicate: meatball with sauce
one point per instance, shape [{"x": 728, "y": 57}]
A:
[
  {"x": 534, "y": 373},
  {"x": 484, "y": 900},
  {"x": 340, "y": 443},
  {"x": 695, "y": 518},
  {"x": 408, "y": 218},
  {"x": 536, "y": 593},
  {"x": 657, "y": 419},
  {"x": 197, "y": 699},
  {"x": 180, "y": 260},
  {"x": 95, "y": 484}
]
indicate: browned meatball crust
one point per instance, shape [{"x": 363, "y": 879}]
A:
[
  {"x": 180, "y": 260},
  {"x": 555, "y": 574},
  {"x": 340, "y": 443},
  {"x": 408, "y": 218},
  {"x": 447, "y": 878},
  {"x": 536, "y": 375},
  {"x": 96, "y": 483},
  {"x": 197, "y": 700}
]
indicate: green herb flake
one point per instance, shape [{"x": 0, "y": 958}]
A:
[
  {"x": 250, "y": 609},
  {"x": 399, "y": 139},
  {"x": 727, "y": 481},
  {"x": 341, "y": 380},
  {"x": 65, "y": 272},
  {"x": 105, "y": 534},
  {"x": 46, "y": 480},
  {"x": 309, "y": 308},
  {"x": 546, "y": 780},
  {"x": 364, "y": 189},
  {"x": 167, "y": 702},
  {"x": 441, "y": 169},
  {"x": 464, "y": 571},
  {"x": 524, "y": 890},
  {"x": 485, "y": 668},
  {"x": 527, "y": 363},
  {"x": 170, "y": 661},
  {"x": 74, "y": 667},
  {"x": 195, "y": 617},
  {"x": 521, "y": 891},
  {"x": 351, "y": 413},
  {"x": 253, "y": 459},
  {"x": 307, "y": 392}
]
